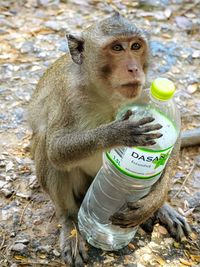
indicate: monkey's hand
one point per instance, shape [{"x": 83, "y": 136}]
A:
[
  {"x": 135, "y": 133},
  {"x": 135, "y": 213},
  {"x": 72, "y": 245}
]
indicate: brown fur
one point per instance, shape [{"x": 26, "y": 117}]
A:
[{"x": 72, "y": 114}]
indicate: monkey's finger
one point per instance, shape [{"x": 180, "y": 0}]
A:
[
  {"x": 134, "y": 205},
  {"x": 143, "y": 121},
  {"x": 152, "y": 136},
  {"x": 67, "y": 254},
  {"x": 147, "y": 143},
  {"x": 150, "y": 128},
  {"x": 185, "y": 226},
  {"x": 78, "y": 262},
  {"x": 82, "y": 250},
  {"x": 124, "y": 223},
  {"x": 127, "y": 115}
]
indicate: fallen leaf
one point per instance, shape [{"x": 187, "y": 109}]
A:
[
  {"x": 160, "y": 260},
  {"x": 187, "y": 263},
  {"x": 42, "y": 256},
  {"x": 20, "y": 258},
  {"x": 73, "y": 233},
  {"x": 131, "y": 246},
  {"x": 176, "y": 245},
  {"x": 162, "y": 230},
  {"x": 195, "y": 257}
]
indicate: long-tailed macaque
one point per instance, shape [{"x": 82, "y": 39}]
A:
[{"x": 72, "y": 114}]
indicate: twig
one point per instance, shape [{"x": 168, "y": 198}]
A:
[
  {"x": 22, "y": 215},
  {"x": 76, "y": 244},
  {"x": 185, "y": 180},
  {"x": 53, "y": 264},
  {"x": 189, "y": 8},
  {"x": 51, "y": 218},
  {"x": 3, "y": 241}
]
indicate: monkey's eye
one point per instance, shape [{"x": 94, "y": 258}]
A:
[
  {"x": 136, "y": 46},
  {"x": 117, "y": 47}
]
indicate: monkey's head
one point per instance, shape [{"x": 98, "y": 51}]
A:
[{"x": 113, "y": 54}]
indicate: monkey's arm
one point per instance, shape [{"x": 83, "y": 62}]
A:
[
  {"x": 69, "y": 149},
  {"x": 138, "y": 212}
]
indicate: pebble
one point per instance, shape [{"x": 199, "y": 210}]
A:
[
  {"x": 18, "y": 114},
  {"x": 196, "y": 179},
  {"x": 27, "y": 47},
  {"x": 56, "y": 253},
  {"x": 63, "y": 46},
  {"x": 23, "y": 241},
  {"x": 19, "y": 247},
  {"x": 52, "y": 24},
  {"x": 44, "y": 249},
  {"x": 183, "y": 23}
]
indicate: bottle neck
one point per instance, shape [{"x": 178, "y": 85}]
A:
[{"x": 157, "y": 101}]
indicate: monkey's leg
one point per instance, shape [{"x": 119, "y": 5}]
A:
[
  {"x": 171, "y": 219},
  {"x": 67, "y": 189},
  {"x": 71, "y": 243}
]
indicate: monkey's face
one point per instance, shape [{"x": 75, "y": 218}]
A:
[
  {"x": 113, "y": 55},
  {"x": 123, "y": 66}
]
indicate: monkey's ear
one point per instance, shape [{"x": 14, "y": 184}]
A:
[{"x": 76, "y": 47}]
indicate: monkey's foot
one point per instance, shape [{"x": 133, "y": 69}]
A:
[
  {"x": 73, "y": 247},
  {"x": 171, "y": 219}
]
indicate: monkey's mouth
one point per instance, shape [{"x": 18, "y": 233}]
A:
[
  {"x": 132, "y": 85},
  {"x": 130, "y": 90}
]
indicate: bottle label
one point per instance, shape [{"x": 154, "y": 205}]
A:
[{"x": 139, "y": 162}]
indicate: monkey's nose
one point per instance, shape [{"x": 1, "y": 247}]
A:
[{"x": 133, "y": 69}]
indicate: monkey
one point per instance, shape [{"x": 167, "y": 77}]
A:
[{"x": 72, "y": 116}]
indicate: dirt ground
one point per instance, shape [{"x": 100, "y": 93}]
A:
[{"x": 32, "y": 36}]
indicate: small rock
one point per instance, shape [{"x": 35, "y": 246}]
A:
[
  {"x": 196, "y": 179},
  {"x": 44, "y": 249},
  {"x": 183, "y": 23},
  {"x": 12, "y": 234},
  {"x": 194, "y": 201},
  {"x": 196, "y": 54},
  {"x": 14, "y": 265},
  {"x": 18, "y": 247},
  {"x": 56, "y": 253},
  {"x": 23, "y": 241},
  {"x": 27, "y": 47},
  {"x": 197, "y": 161},
  {"x": 7, "y": 192},
  {"x": 63, "y": 46},
  {"x": 9, "y": 166},
  {"x": 18, "y": 114},
  {"x": 52, "y": 24},
  {"x": 24, "y": 195},
  {"x": 48, "y": 2},
  {"x": 192, "y": 88},
  {"x": 2, "y": 183}
]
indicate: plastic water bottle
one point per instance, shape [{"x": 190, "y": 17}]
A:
[{"x": 128, "y": 173}]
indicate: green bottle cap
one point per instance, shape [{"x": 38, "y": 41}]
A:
[{"x": 162, "y": 89}]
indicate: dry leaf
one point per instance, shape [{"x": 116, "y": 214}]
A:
[
  {"x": 20, "y": 258},
  {"x": 176, "y": 245},
  {"x": 195, "y": 258},
  {"x": 73, "y": 233},
  {"x": 160, "y": 260},
  {"x": 187, "y": 263},
  {"x": 131, "y": 246},
  {"x": 162, "y": 230},
  {"x": 42, "y": 256}
]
